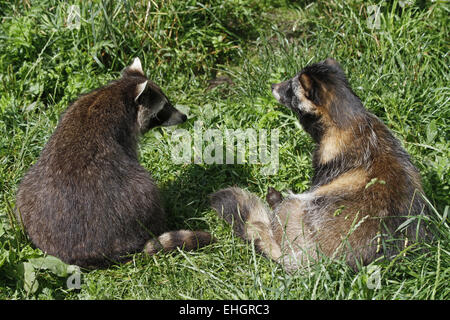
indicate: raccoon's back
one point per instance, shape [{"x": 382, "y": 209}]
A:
[{"x": 100, "y": 209}]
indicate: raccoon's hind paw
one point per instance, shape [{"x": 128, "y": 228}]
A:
[{"x": 273, "y": 197}]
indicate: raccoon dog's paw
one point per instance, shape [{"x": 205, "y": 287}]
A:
[
  {"x": 249, "y": 217},
  {"x": 230, "y": 206},
  {"x": 273, "y": 197}
]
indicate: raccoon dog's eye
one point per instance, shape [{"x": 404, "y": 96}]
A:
[
  {"x": 293, "y": 86},
  {"x": 295, "y": 102},
  {"x": 289, "y": 91}
]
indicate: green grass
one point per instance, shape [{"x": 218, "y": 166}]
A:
[{"x": 400, "y": 71}]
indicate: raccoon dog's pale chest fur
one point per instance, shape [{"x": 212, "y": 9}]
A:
[
  {"x": 363, "y": 188},
  {"x": 87, "y": 200}
]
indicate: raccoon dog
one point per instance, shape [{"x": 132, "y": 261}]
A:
[
  {"x": 363, "y": 189},
  {"x": 87, "y": 200}
]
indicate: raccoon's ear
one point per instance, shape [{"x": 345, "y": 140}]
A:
[
  {"x": 136, "y": 66},
  {"x": 310, "y": 87},
  {"x": 140, "y": 88}
]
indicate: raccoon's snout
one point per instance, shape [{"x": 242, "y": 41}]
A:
[
  {"x": 167, "y": 116},
  {"x": 183, "y": 117},
  {"x": 171, "y": 116}
]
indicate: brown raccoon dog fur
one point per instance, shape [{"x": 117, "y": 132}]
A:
[
  {"x": 363, "y": 189},
  {"x": 87, "y": 200}
]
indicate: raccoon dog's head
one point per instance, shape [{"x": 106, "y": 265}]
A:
[
  {"x": 154, "y": 108},
  {"x": 320, "y": 96}
]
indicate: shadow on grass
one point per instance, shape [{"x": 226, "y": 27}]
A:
[{"x": 186, "y": 197}]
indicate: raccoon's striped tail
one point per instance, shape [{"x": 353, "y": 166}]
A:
[
  {"x": 183, "y": 239},
  {"x": 249, "y": 218}
]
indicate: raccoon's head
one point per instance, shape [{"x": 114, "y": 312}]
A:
[
  {"x": 154, "y": 108},
  {"x": 320, "y": 96}
]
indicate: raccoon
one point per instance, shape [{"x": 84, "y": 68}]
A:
[
  {"x": 87, "y": 200},
  {"x": 365, "y": 199}
]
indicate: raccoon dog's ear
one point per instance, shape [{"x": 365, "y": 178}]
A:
[
  {"x": 140, "y": 88},
  {"x": 333, "y": 63},
  {"x": 310, "y": 87}
]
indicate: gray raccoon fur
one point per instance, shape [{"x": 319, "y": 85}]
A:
[
  {"x": 87, "y": 200},
  {"x": 363, "y": 189}
]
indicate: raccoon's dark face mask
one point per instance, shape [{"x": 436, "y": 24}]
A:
[{"x": 155, "y": 109}]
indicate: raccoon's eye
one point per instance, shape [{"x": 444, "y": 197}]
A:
[{"x": 163, "y": 114}]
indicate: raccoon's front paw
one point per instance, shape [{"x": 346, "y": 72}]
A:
[{"x": 273, "y": 197}]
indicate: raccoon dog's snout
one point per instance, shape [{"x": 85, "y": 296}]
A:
[{"x": 283, "y": 92}]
